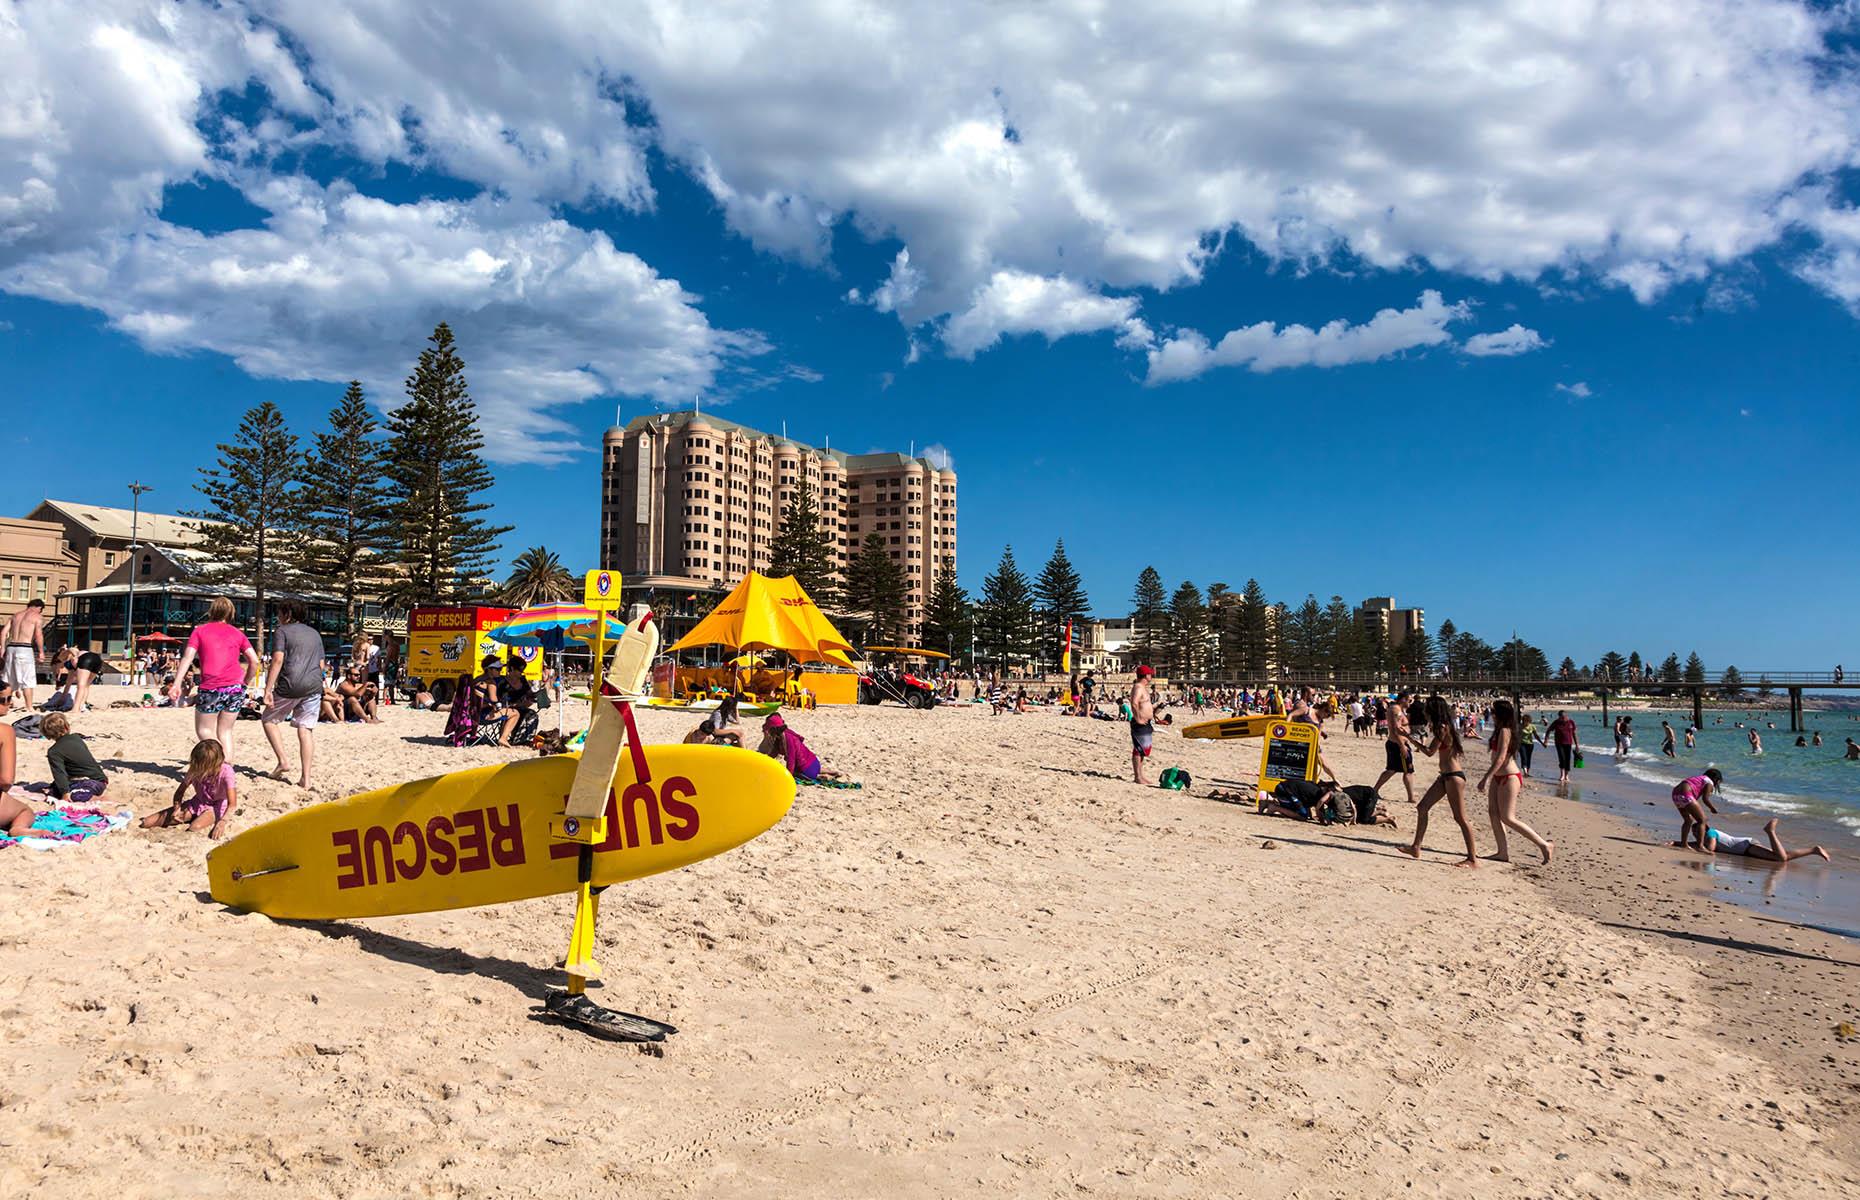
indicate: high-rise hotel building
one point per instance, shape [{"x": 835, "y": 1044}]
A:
[{"x": 687, "y": 497}]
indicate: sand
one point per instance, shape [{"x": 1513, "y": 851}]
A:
[{"x": 998, "y": 969}]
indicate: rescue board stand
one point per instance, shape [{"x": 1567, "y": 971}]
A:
[{"x": 571, "y": 1004}]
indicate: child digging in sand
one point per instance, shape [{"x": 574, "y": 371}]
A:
[
  {"x": 76, "y": 777},
  {"x": 215, "y": 793}
]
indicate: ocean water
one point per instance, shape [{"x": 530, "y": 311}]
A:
[{"x": 1815, "y": 782}]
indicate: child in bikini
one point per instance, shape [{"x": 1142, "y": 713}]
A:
[
  {"x": 1688, "y": 797},
  {"x": 216, "y": 793}
]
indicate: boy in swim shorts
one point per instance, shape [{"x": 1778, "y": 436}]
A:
[{"x": 1688, "y": 797}]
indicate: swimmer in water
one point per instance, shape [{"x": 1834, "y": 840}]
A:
[
  {"x": 1853, "y": 749},
  {"x": 1667, "y": 738},
  {"x": 1756, "y": 742},
  {"x": 1817, "y": 740},
  {"x": 1692, "y": 737},
  {"x": 1802, "y": 742},
  {"x": 1717, "y": 842}
]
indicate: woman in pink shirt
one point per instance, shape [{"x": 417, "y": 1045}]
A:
[{"x": 228, "y": 664}]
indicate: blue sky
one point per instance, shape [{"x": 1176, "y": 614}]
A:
[{"x": 1028, "y": 253}]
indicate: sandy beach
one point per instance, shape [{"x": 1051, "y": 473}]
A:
[{"x": 1000, "y": 968}]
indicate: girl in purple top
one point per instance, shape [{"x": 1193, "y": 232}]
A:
[
  {"x": 228, "y": 664},
  {"x": 216, "y": 793}
]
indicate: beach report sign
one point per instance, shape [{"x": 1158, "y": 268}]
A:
[
  {"x": 601, "y": 591},
  {"x": 1290, "y": 753}
]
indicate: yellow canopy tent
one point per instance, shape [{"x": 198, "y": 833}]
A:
[{"x": 769, "y": 614}]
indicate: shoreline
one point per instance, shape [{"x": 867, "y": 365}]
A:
[{"x": 1778, "y": 987}]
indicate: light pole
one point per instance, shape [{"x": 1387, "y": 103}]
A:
[{"x": 135, "y": 520}]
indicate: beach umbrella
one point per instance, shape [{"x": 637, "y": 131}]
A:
[
  {"x": 157, "y": 637},
  {"x": 550, "y": 626}
]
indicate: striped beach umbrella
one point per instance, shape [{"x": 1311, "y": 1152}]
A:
[{"x": 551, "y": 625}]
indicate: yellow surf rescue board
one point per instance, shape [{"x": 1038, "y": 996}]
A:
[
  {"x": 482, "y": 836},
  {"x": 1232, "y": 727}
]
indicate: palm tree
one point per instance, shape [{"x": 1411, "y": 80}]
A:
[{"x": 537, "y": 577}]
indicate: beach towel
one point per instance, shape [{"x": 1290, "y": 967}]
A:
[
  {"x": 68, "y": 824},
  {"x": 842, "y": 784}
]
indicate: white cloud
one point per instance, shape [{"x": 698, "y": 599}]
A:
[
  {"x": 938, "y": 455},
  {"x": 1506, "y": 342},
  {"x": 1266, "y": 347},
  {"x": 1579, "y": 389},
  {"x": 1091, "y": 149},
  {"x": 340, "y": 285},
  {"x": 1835, "y": 266},
  {"x": 1014, "y": 302},
  {"x": 899, "y": 288}
]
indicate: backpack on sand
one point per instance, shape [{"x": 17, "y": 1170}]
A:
[{"x": 1175, "y": 779}]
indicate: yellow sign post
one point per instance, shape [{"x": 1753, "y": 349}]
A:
[
  {"x": 601, "y": 591},
  {"x": 1291, "y": 752}
]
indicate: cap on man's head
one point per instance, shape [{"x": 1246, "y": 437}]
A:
[{"x": 1145, "y": 671}]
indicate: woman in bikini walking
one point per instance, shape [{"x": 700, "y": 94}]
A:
[
  {"x": 1451, "y": 783},
  {"x": 1504, "y": 782}
]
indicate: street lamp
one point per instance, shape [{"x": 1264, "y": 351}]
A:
[{"x": 135, "y": 519}]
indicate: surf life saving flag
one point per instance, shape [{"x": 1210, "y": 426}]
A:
[{"x": 1065, "y": 658}]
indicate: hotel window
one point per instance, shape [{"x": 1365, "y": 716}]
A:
[
  {"x": 109, "y": 558},
  {"x": 41, "y": 589},
  {"x": 6, "y": 587}
]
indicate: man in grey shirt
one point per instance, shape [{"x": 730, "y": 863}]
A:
[{"x": 293, "y": 688}]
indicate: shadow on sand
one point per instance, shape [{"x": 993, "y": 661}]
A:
[{"x": 1729, "y": 943}]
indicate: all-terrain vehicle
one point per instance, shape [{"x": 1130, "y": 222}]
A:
[{"x": 886, "y": 675}]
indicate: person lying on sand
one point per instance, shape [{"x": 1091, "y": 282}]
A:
[
  {"x": 1303, "y": 800},
  {"x": 1719, "y": 842}
]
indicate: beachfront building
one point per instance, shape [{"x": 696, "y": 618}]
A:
[
  {"x": 35, "y": 564},
  {"x": 99, "y": 535},
  {"x": 1387, "y": 625},
  {"x": 690, "y": 503},
  {"x": 96, "y": 618}
]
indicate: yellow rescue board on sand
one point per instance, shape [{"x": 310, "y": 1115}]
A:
[
  {"x": 1232, "y": 727},
  {"x": 481, "y": 836}
]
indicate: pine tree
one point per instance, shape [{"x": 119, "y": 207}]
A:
[
  {"x": 949, "y": 619},
  {"x": 1004, "y": 619},
  {"x": 1695, "y": 668},
  {"x": 1188, "y": 627},
  {"x": 803, "y": 549},
  {"x": 1305, "y": 641},
  {"x": 1058, "y": 596},
  {"x": 1612, "y": 667},
  {"x": 1416, "y": 654},
  {"x": 1568, "y": 669},
  {"x": 1149, "y": 612},
  {"x": 346, "y": 508},
  {"x": 1252, "y": 657},
  {"x": 439, "y": 484},
  {"x": 1733, "y": 679},
  {"x": 1346, "y": 651},
  {"x": 875, "y": 585},
  {"x": 1444, "y": 644},
  {"x": 1669, "y": 670},
  {"x": 249, "y": 529}
]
